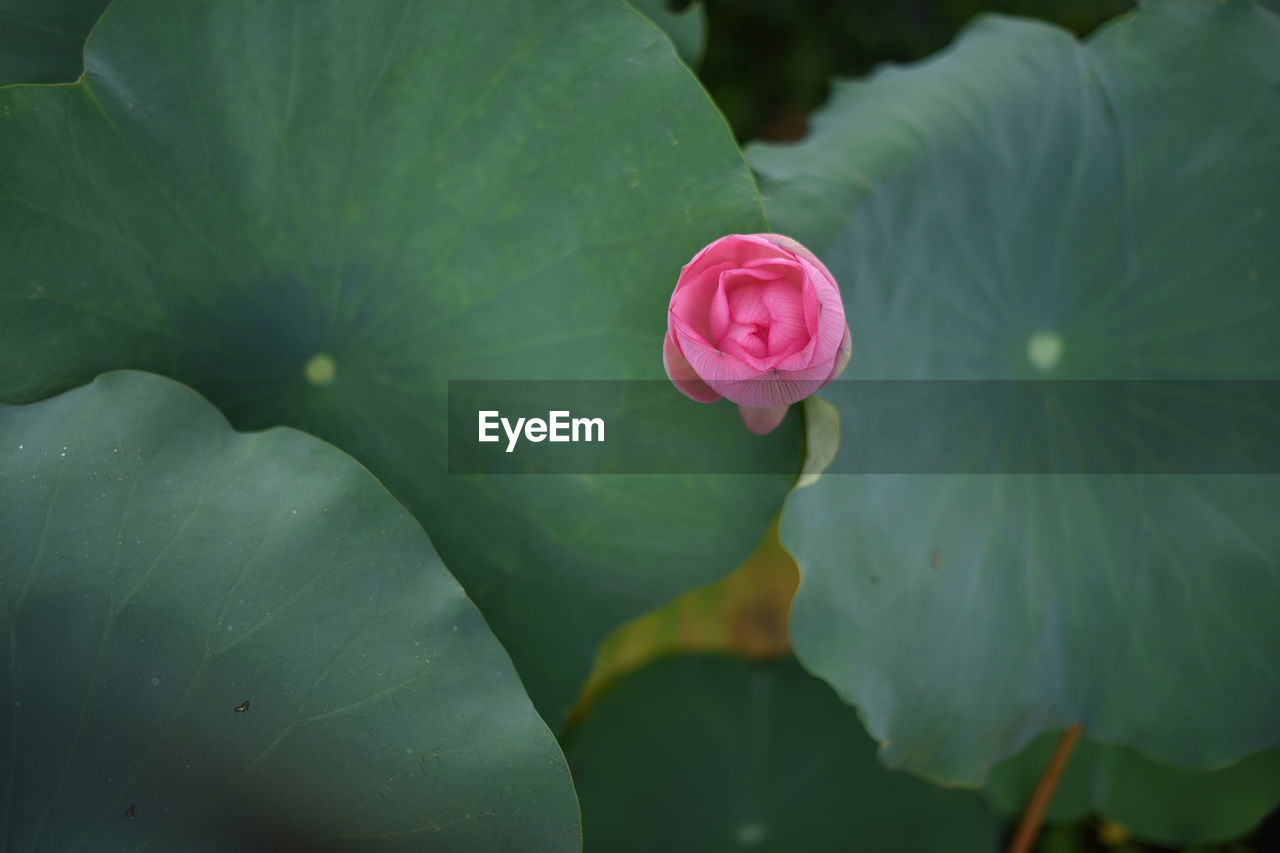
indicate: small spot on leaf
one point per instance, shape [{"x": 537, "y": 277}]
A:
[
  {"x": 750, "y": 834},
  {"x": 1044, "y": 350},
  {"x": 320, "y": 369}
]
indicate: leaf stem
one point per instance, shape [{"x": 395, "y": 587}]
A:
[{"x": 1029, "y": 827}]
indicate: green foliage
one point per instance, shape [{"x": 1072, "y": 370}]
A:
[
  {"x": 317, "y": 213},
  {"x": 242, "y": 642},
  {"x": 1114, "y": 201},
  {"x": 715, "y": 754}
]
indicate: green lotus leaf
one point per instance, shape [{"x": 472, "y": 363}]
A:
[
  {"x": 42, "y": 41},
  {"x": 1027, "y": 207},
  {"x": 317, "y": 212},
  {"x": 242, "y": 642},
  {"x": 1155, "y": 802},
  {"x": 716, "y": 754}
]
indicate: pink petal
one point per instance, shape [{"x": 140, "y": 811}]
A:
[
  {"x": 812, "y": 308},
  {"x": 744, "y": 342},
  {"x": 712, "y": 363},
  {"x": 745, "y": 294},
  {"x": 831, "y": 324},
  {"x": 682, "y": 374},
  {"x": 787, "y": 332},
  {"x": 737, "y": 250},
  {"x": 825, "y": 319},
  {"x": 781, "y": 267},
  {"x": 798, "y": 250},
  {"x": 691, "y": 298},
  {"x": 770, "y": 388},
  {"x": 842, "y": 358},
  {"x": 762, "y": 421}
]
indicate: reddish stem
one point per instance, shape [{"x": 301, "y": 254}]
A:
[{"x": 1029, "y": 827}]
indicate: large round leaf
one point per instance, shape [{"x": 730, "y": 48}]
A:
[
  {"x": 242, "y": 642},
  {"x": 715, "y": 754},
  {"x": 1025, "y": 206},
  {"x": 1155, "y": 802},
  {"x": 42, "y": 41},
  {"x": 319, "y": 211}
]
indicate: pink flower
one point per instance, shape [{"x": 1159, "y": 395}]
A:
[{"x": 757, "y": 319}]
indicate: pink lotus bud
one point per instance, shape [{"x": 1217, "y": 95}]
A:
[{"x": 757, "y": 319}]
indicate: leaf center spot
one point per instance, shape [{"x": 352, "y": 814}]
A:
[
  {"x": 320, "y": 369},
  {"x": 1044, "y": 350},
  {"x": 750, "y": 834}
]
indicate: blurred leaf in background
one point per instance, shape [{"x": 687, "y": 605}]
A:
[
  {"x": 714, "y": 754},
  {"x": 42, "y": 41},
  {"x": 769, "y": 63},
  {"x": 686, "y": 26}
]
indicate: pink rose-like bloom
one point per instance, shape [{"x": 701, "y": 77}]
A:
[{"x": 756, "y": 319}]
